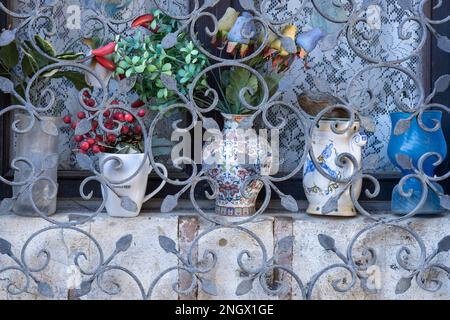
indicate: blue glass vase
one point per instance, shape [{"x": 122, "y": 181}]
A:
[{"x": 414, "y": 143}]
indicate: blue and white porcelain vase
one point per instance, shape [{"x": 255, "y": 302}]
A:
[
  {"x": 327, "y": 145},
  {"x": 233, "y": 160},
  {"x": 415, "y": 142}
]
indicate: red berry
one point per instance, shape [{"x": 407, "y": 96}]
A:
[
  {"x": 82, "y": 151},
  {"x": 102, "y": 148},
  {"x": 137, "y": 104},
  {"x": 141, "y": 113},
  {"x": 67, "y": 119},
  {"x": 78, "y": 138},
  {"x": 94, "y": 124},
  {"x": 91, "y": 141},
  {"x": 98, "y": 138},
  {"x": 74, "y": 125},
  {"x": 111, "y": 138},
  {"x": 107, "y": 113},
  {"x": 89, "y": 102},
  {"x": 95, "y": 149},
  {"x": 86, "y": 94},
  {"x": 125, "y": 130},
  {"x": 138, "y": 129},
  {"x": 129, "y": 118},
  {"x": 84, "y": 146},
  {"x": 81, "y": 115},
  {"x": 116, "y": 115},
  {"x": 115, "y": 102}
]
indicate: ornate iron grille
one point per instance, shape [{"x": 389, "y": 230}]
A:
[{"x": 358, "y": 37}]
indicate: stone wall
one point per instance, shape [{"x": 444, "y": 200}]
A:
[{"x": 146, "y": 259}]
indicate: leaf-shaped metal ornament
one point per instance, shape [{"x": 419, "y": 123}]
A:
[
  {"x": 327, "y": 242},
  {"x": 244, "y": 287},
  {"x": 6, "y": 85},
  {"x": 84, "y": 161},
  {"x": 169, "y": 40},
  {"x": 368, "y": 123},
  {"x": 208, "y": 287},
  {"x": 6, "y": 205},
  {"x": 169, "y": 82},
  {"x": 403, "y": 285},
  {"x": 443, "y": 42},
  {"x": 7, "y": 36},
  {"x": 170, "y": 202},
  {"x": 444, "y": 201},
  {"x": 50, "y": 161},
  {"x": 246, "y": 4},
  {"x": 371, "y": 162},
  {"x": 168, "y": 244},
  {"x": 126, "y": 84},
  {"x": 288, "y": 44},
  {"x": 45, "y": 289},
  {"x": 442, "y": 83},
  {"x": 85, "y": 288},
  {"x": 83, "y": 127},
  {"x": 289, "y": 203},
  {"x": 5, "y": 247},
  {"x": 49, "y": 127},
  {"x": 402, "y": 126},
  {"x": 124, "y": 243},
  {"x": 444, "y": 244},
  {"x": 210, "y": 124},
  {"x": 405, "y": 4},
  {"x": 329, "y": 42},
  {"x": 285, "y": 244},
  {"x": 128, "y": 204},
  {"x": 404, "y": 161},
  {"x": 331, "y": 205}
]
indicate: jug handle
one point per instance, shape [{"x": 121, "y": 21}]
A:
[{"x": 163, "y": 183}]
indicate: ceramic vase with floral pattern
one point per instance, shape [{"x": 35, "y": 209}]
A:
[
  {"x": 327, "y": 145},
  {"x": 233, "y": 160}
]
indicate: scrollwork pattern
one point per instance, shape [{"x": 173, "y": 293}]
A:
[{"x": 190, "y": 23}]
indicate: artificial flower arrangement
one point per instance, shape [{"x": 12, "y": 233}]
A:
[
  {"x": 139, "y": 55},
  {"x": 239, "y": 37}
]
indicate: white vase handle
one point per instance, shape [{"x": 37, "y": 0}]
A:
[{"x": 163, "y": 183}]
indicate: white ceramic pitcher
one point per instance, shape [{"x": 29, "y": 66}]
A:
[
  {"x": 327, "y": 145},
  {"x": 134, "y": 188}
]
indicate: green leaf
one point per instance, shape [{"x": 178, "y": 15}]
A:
[
  {"x": 50, "y": 73},
  {"x": 29, "y": 64},
  {"x": 123, "y": 64},
  {"x": 188, "y": 58},
  {"x": 45, "y": 46},
  {"x": 151, "y": 68},
  {"x": 239, "y": 78},
  {"x": 76, "y": 78},
  {"x": 140, "y": 68},
  {"x": 70, "y": 56},
  {"x": 9, "y": 55},
  {"x": 40, "y": 59},
  {"x": 166, "y": 67},
  {"x": 135, "y": 60},
  {"x": 153, "y": 24},
  {"x": 129, "y": 73}
]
